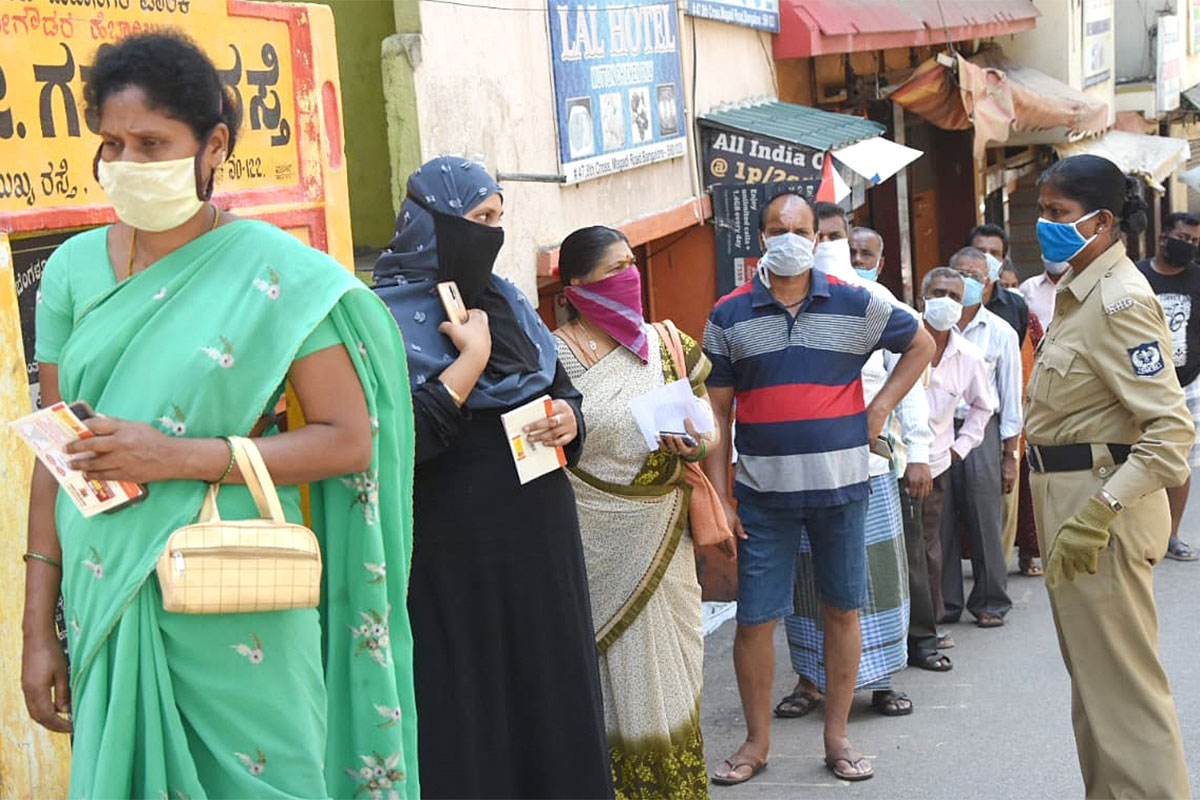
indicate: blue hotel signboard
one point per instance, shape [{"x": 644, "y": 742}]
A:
[{"x": 618, "y": 85}]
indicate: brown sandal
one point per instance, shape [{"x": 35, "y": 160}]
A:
[
  {"x": 855, "y": 763},
  {"x": 734, "y": 763}
]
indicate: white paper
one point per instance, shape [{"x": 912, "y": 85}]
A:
[{"x": 665, "y": 408}]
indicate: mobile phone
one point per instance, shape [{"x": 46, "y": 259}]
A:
[
  {"x": 688, "y": 439},
  {"x": 452, "y": 302},
  {"x": 81, "y": 410},
  {"x": 883, "y": 448}
]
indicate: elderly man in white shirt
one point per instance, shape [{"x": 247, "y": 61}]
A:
[
  {"x": 885, "y": 620},
  {"x": 974, "y": 497},
  {"x": 958, "y": 375}
]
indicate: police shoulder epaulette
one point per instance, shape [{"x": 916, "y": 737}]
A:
[{"x": 1119, "y": 305}]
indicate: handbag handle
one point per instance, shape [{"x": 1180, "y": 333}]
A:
[
  {"x": 258, "y": 481},
  {"x": 668, "y": 332}
]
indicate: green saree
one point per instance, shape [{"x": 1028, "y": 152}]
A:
[{"x": 305, "y": 703}]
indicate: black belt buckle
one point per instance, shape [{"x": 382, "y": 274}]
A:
[{"x": 1035, "y": 458}]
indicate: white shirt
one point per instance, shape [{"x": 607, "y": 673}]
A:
[
  {"x": 911, "y": 414},
  {"x": 1039, "y": 292},
  {"x": 1002, "y": 352},
  {"x": 960, "y": 377}
]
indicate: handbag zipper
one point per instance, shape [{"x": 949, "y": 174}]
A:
[{"x": 242, "y": 553}]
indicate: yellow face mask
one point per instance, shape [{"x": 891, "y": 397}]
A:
[{"x": 151, "y": 196}]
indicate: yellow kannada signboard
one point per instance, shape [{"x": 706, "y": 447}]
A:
[{"x": 280, "y": 61}]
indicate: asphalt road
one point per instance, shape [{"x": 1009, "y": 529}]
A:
[{"x": 996, "y": 726}]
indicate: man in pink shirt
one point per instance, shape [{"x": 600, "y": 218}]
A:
[
  {"x": 1039, "y": 291},
  {"x": 957, "y": 374}
]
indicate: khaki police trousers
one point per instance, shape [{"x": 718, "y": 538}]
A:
[
  {"x": 1126, "y": 729},
  {"x": 1012, "y": 504}
]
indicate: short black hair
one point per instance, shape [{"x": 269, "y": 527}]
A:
[
  {"x": 1176, "y": 218},
  {"x": 1097, "y": 183},
  {"x": 783, "y": 190},
  {"x": 175, "y": 75},
  {"x": 827, "y": 210},
  {"x": 987, "y": 229},
  {"x": 581, "y": 251}
]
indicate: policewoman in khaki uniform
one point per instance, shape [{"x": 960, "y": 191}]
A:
[{"x": 1108, "y": 431}]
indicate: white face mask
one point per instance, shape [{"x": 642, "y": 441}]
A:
[
  {"x": 1055, "y": 268},
  {"x": 942, "y": 313},
  {"x": 151, "y": 196},
  {"x": 788, "y": 255}
]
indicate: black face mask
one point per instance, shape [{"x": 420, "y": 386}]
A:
[
  {"x": 1177, "y": 252},
  {"x": 466, "y": 253}
]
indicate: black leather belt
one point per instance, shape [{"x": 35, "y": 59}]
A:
[{"x": 1070, "y": 457}]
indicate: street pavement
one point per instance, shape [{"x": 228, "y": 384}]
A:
[{"x": 996, "y": 726}]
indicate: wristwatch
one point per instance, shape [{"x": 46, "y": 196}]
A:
[
  {"x": 1110, "y": 501},
  {"x": 1016, "y": 456}
]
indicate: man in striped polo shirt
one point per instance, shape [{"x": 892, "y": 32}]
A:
[{"x": 789, "y": 346}]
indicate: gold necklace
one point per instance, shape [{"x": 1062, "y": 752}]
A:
[{"x": 133, "y": 242}]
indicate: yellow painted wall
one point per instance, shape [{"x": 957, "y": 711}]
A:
[{"x": 33, "y": 761}]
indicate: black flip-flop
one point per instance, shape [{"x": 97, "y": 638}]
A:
[
  {"x": 934, "y": 662},
  {"x": 805, "y": 700},
  {"x": 891, "y": 703}
]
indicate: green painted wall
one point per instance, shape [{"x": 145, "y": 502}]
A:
[
  {"x": 361, "y": 26},
  {"x": 401, "y": 57}
]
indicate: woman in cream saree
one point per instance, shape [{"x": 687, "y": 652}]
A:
[{"x": 633, "y": 508}]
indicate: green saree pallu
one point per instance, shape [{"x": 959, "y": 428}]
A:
[{"x": 302, "y": 703}]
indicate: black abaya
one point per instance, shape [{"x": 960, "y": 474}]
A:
[{"x": 508, "y": 691}]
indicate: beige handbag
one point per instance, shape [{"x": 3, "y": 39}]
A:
[{"x": 217, "y": 566}]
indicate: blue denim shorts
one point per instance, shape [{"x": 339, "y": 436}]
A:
[{"x": 767, "y": 559}]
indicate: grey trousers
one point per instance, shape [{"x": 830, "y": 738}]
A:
[
  {"x": 975, "y": 498},
  {"x": 922, "y": 634}
]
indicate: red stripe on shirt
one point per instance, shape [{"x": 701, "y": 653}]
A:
[{"x": 794, "y": 402}]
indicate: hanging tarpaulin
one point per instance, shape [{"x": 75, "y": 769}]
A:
[
  {"x": 876, "y": 159},
  {"x": 1006, "y": 102}
]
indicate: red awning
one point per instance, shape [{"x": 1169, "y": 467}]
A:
[{"x": 816, "y": 27}]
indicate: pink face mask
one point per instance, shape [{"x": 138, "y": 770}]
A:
[{"x": 615, "y": 306}]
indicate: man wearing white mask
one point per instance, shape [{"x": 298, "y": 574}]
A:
[
  {"x": 885, "y": 618},
  {"x": 790, "y": 346},
  {"x": 978, "y": 485},
  {"x": 957, "y": 377},
  {"x": 1039, "y": 290}
]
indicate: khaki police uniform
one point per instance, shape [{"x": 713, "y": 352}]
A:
[{"x": 1104, "y": 381}]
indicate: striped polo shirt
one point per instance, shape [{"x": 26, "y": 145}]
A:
[{"x": 801, "y": 419}]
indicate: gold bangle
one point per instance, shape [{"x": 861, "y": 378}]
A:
[
  {"x": 43, "y": 559},
  {"x": 229, "y": 466},
  {"x": 458, "y": 401}
]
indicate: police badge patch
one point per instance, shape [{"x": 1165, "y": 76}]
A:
[{"x": 1147, "y": 360}]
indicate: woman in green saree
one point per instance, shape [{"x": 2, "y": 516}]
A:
[{"x": 180, "y": 325}]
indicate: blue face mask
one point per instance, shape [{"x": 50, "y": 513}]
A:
[
  {"x": 869, "y": 275},
  {"x": 973, "y": 293},
  {"x": 994, "y": 267},
  {"x": 1062, "y": 241}
]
